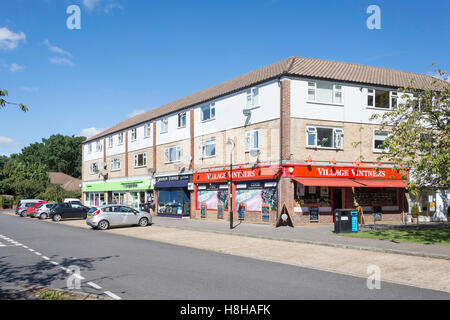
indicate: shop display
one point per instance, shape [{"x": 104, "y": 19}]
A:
[{"x": 367, "y": 197}]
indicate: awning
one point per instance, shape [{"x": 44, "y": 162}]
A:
[
  {"x": 322, "y": 182},
  {"x": 172, "y": 184},
  {"x": 383, "y": 183}
]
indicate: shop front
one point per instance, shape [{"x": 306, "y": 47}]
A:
[
  {"x": 133, "y": 193},
  {"x": 319, "y": 190},
  {"x": 173, "y": 196},
  {"x": 254, "y": 190}
]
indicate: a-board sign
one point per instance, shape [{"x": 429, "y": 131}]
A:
[
  {"x": 377, "y": 215},
  {"x": 265, "y": 212},
  {"x": 241, "y": 210},
  {"x": 220, "y": 211},
  {"x": 203, "y": 210},
  {"x": 313, "y": 214}
]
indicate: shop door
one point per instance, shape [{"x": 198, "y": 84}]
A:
[{"x": 336, "y": 200}]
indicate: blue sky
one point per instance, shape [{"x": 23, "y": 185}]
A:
[{"x": 134, "y": 55}]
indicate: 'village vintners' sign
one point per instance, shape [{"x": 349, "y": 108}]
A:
[
  {"x": 238, "y": 174},
  {"x": 343, "y": 172}
]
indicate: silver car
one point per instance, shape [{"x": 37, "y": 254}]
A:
[
  {"x": 107, "y": 216},
  {"x": 43, "y": 211}
]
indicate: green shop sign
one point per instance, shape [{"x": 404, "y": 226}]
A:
[{"x": 145, "y": 184}]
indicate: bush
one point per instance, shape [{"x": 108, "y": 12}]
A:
[{"x": 415, "y": 210}]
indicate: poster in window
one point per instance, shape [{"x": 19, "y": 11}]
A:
[
  {"x": 203, "y": 210},
  {"x": 265, "y": 213},
  {"x": 313, "y": 214},
  {"x": 219, "y": 211},
  {"x": 254, "y": 198},
  {"x": 241, "y": 211},
  {"x": 323, "y": 191},
  {"x": 212, "y": 198},
  {"x": 311, "y": 189}
]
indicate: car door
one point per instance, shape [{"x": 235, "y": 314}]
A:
[
  {"x": 129, "y": 216},
  {"x": 113, "y": 215}
]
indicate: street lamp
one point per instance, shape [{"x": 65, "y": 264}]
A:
[{"x": 231, "y": 142}]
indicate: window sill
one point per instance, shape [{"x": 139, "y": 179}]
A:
[
  {"x": 146, "y": 137},
  {"x": 163, "y": 132},
  {"x": 379, "y": 109},
  {"x": 184, "y": 127},
  {"x": 114, "y": 170},
  {"x": 208, "y": 120},
  {"x": 326, "y": 103},
  {"x": 208, "y": 157},
  {"x": 137, "y": 167},
  {"x": 324, "y": 148}
]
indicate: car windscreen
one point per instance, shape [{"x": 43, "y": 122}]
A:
[
  {"x": 39, "y": 206},
  {"x": 92, "y": 210},
  {"x": 27, "y": 205}
]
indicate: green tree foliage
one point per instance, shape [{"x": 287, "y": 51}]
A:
[
  {"x": 3, "y": 102},
  {"x": 55, "y": 193},
  {"x": 23, "y": 180},
  {"x": 419, "y": 140}
]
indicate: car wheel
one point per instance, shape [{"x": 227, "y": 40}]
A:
[
  {"x": 143, "y": 222},
  {"x": 57, "y": 217},
  {"x": 43, "y": 216},
  {"x": 23, "y": 214},
  {"x": 103, "y": 225}
]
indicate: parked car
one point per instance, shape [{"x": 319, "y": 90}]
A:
[
  {"x": 66, "y": 210},
  {"x": 22, "y": 202},
  {"x": 43, "y": 210},
  {"x": 73, "y": 201},
  {"x": 107, "y": 216},
  {"x": 31, "y": 209}
]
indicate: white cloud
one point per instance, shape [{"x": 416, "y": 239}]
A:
[
  {"x": 7, "y": 142},
  {"x": 135, "y": 113},
  {"x": 89, "y": 132},
  {"x": 57, "y": 49},
  {"x": 29, "y": 89},
  {"x": 15, "y": 67},
  {"x": 10, "y": 40},
  {"x": 105, "y": 5},
  {"x": 62, "y": 61}
]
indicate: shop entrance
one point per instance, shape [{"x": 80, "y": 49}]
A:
[{"x": 336, "y": 200}]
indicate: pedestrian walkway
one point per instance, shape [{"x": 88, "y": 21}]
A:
[{"x": 314, "y": 234}]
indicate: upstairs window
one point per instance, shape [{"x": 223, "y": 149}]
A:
[
  {"x": 325, "y": 92},
  {"x": 164, "y": 125},
  {"x": 147, "y": 129},
  {"x": 120, "y": 138},
  {"x": 383, "y": 99},
  {"x": 252, "y": 140},
  {"x": 208, "y": 112},
  {"x": 115, "y": 164},
  {"x": 252, "y": 98},
  {"x": 208, "y": 148},
  {"x": 378, "y": 140},
  {"x": 98, "y": 146},
  {"x": 90, "y": 148},
  {"x": 323, "y": 137},
  {"x": 133, "y": 134},
  {"x": 182, "y": 120},
  {"x": 172, "y": 154},
  {"x": 110, "y": 141},
  {"x": 140, "y": 159},
  {"x": 94, "y": 168}
]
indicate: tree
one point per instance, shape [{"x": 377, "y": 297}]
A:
[
  {"x": 3, "y": 103},
  {"x": 419, "y": 139}
]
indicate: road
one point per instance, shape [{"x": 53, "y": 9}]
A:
[{"x": 115, "y": 266}]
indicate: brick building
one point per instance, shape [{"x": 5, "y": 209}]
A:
[{"x": 298, "y": 134}]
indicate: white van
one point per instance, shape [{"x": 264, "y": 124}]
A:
[{"x": 73, "y": 201}]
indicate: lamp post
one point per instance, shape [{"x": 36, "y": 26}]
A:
[{"x": 231, "y": 142}]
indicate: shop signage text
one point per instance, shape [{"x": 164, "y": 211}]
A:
[{"x": 343, "y": 172}]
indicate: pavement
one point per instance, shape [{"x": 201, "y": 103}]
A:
[
  {"x": 157, "y": 262},
  {"x": 404, "y": 269}
]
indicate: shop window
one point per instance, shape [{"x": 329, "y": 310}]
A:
[
  {"x": 367, "y": 197},
  {"x": 172, "y": 154},
  {"x": 324, "y": 92},
  {"x": 383, "y": 99},
  {"x": 252, "y": 98},
  {"x": 322, "y": 137},
  {"x": 252, "y": 140},
  {"x": 173, "y": 201},
  {"x": 255, "y": 194},
  {"x": 140, "y": 159},
  {"x": 212, "y": 195},
  {"x": 306, "y": 196},
  {"x": 208, "y": 148},
  {"x": 182, "y": 120},
  {"x": 208, "y": 112},
  {"x": 378, "y": 140}
]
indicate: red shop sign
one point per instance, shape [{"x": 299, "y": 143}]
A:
[
  {"x": 342, "y": 172},
  {"x": 238, "y": 174}
]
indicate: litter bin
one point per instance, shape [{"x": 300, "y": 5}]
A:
[{"x": 345, "y": 220}]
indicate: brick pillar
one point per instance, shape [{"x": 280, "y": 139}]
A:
[
  {"x": 286, "y": 196},
  {"x": 285, "y": 119},
  {"x": 155, "y": 194},
  {"x": 191, "y": 165},
  {"x": 126, "y": 154}
]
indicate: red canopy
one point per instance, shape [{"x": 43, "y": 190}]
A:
[{"x": 361, "y": 183}]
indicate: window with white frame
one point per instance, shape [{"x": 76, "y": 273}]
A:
[
  {"x": 133, "y": 134},
  {"x": 325, "y": 92},
  {"x": 164, "y": 125},
  {"x": 252, "y": 98},
  {"x": 182, "y": 120},
  {"x": 147, "y": 129},
  {"x": 172, "y": 154},
  {"x": 94, "y": 167},
  {"x": 208, "y": 148},
  {"x": 110, "y": 141},
  {"x": 208, "y": 112},
  {"x": 324, "y": 137},
  {"x": 140, "y": 159},
  {"x": 120, "y": 140},
  {"x": 383, "y": 99},
  {"x": 115, "y": 164},
  {"x": 378, "y": 140},
  {"x": 99, "y": 146},
  {"x": 251, "y": 140},
  {"x": 90, "y": 148}
]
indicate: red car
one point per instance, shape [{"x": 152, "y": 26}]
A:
[{"x": 30, "y": 210}]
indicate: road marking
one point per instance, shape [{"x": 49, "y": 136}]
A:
[
  {"x": 25, "y": 246},
  {"x": 45, "y": 258},
  {"x": 38, "y": 253},
  {"x": 30, "y": 250},
  {"x": 112, "y": 295},
  {"x": 94, "y": 285},
  {"x": 55, "y": 263}
]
